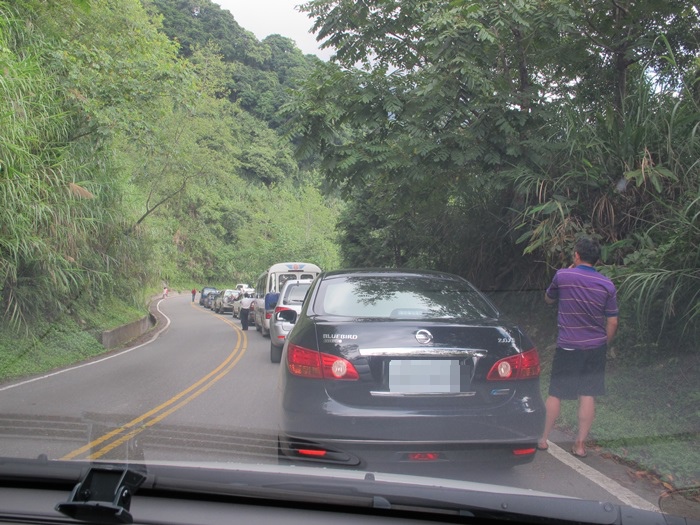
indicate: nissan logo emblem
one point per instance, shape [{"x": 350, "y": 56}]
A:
[{"x": 424, "y": 337}]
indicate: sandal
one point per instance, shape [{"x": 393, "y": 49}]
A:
[
  {"x": 541, "y": 446},
  {"x": 574, "y": 453}
]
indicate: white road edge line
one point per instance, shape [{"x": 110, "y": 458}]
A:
[
  {"x": 83, "y": 365},
  {"x": 625, "y": 495}
]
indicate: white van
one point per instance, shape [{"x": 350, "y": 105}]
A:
[{"x": 271, "y": 281}]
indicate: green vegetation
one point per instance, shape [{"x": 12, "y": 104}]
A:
[
  {"x": 649, "y": 417},
  {"x": 479, "y": 138},
  {"x": 487, "y": 140},
  {"x": 653, "y": 427},
  {"x": 49, "y": 346},
  {"x": 127, "y": 161},
  {"x": 64, "y": 340}
]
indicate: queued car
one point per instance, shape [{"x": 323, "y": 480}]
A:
[
  {"x": 245, "y": 288},
  {"x": 236, "y": 311},
  {"x": 252, "y": 319},
  {"x": 263, "y": 309},
  {"x": 223, "y": 302},
  {"x": 204, "y": 293},
  {"x": 288, "y": 306},
  {"x": 236, "y": 306},
  {"x": 269, "y": 285},
  {"x": 389, "y": 366},
  {"x": 209, "y": 299}
]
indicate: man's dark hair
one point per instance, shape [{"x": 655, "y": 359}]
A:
[{"x": 588, "y": 250}]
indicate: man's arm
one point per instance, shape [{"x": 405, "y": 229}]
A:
[
  {"x": 611, "y": 327},
  {"x": 554, "y": 288}
]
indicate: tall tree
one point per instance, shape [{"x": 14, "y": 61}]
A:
[{"x": 576, "y": 114}]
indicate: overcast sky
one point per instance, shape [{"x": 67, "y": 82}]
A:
[{"x": 268, "y": 17}]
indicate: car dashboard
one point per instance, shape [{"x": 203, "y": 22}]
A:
[{"x": 209, "y": 496}]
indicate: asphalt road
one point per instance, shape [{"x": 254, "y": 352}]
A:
[{"x": 203, "y": 390}]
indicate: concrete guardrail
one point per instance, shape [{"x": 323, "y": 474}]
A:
[{"x": 123, "y": 334}]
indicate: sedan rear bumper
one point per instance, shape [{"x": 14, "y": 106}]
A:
[
  {"x": 310, "y": 413},
  {"x": 375, "y": 439},
  {"x": 403, "y": 456}
]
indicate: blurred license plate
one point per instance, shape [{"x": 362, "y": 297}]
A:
[{"x": 424, "y": 376}]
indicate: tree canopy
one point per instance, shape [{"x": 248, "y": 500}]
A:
[
  {"x": 476, "y": 137},
  {"x": 129, "y": 157},
  {"x": 483, "y": 137}
]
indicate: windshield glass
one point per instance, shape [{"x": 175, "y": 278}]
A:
[{"x": 494, "y": 208}]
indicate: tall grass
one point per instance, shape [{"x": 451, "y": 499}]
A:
[
  {"x": 62, "y": 225},
  {"x": 662, "y": 277},
  {"x": 632, "y": 182}
]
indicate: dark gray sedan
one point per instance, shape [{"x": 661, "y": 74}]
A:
[{"x": 389, "y": 366}]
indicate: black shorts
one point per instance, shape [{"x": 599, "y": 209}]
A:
[{"x": 578, "y": 373}]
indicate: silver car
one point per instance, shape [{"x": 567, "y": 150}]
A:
[
  {"x": 223, "y": 302},
  {"x": 236, "y": 305},
  {"x": 288, "y": 307}
]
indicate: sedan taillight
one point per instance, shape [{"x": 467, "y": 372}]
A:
[
  {"x": 520, "y": 366},
  {"x": 312, "y": 364}
]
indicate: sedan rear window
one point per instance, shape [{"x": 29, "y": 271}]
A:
[
  {"x": 295, "y": 294},
  {"x": 400, "y": 297}
]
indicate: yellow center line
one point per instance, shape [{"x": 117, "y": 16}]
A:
[
  {"x": 114, "y": 444},
  {"x": 202, "y": 385}
]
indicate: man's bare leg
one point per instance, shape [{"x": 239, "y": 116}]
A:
[
  {"x": 586, "y": 415},
  {"x": 553, "y": 406}
]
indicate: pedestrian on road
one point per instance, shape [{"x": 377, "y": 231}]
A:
[
  {"x": 165, "y": 292},
  {"x": 194, "y": 292},
  {"x": 587, "y": 321},
  {"x": 245, "y": 310}
]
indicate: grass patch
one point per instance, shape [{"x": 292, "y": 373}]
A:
[
  {"x": 111, "y": 314},
  {"x": 650, "y": 417},
  {"x": 48, "y": 346}
]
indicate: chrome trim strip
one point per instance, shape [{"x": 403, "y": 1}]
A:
[
  {"x": 432, "y": 351},
  {"x": 382, "y": 393}
]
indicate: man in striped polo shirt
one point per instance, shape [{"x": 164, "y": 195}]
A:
[{"x": 587, "y": 322}]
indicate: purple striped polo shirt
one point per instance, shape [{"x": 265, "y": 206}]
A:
[{"x": 586, "y": 300}]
